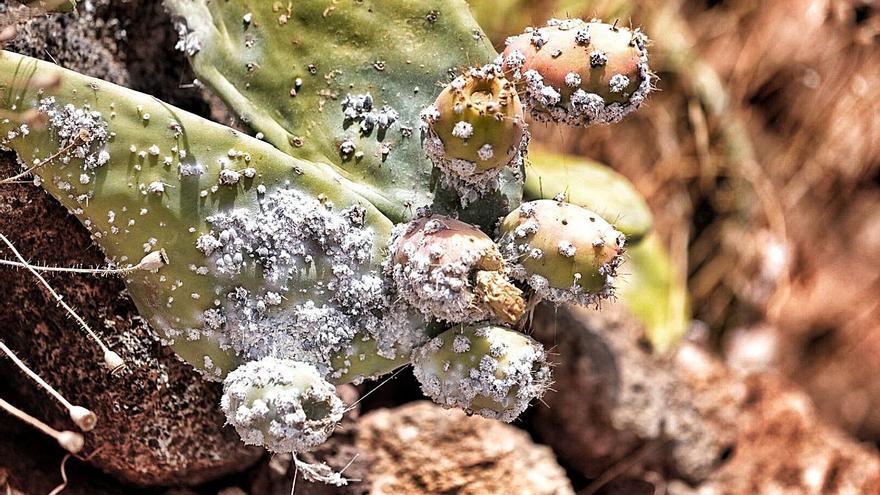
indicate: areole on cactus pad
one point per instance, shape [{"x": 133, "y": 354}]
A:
[{"x": 347, "y": 244}]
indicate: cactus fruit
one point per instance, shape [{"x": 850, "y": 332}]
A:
[
  {"x": 578, "y": 72},
  {"x": 283, "y": 405},
  {"x": 451, "y": 271},
  {"x": 489, "y": 370},
  {"x": 474, "y": 129},
  {"x": 590, "y": 184},
  {"x": 564, "y": 252}
]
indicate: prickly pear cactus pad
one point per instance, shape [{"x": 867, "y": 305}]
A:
[
  {"x": 490, "y": 370},
  {"x": 342, "y": 83},
  {"x": 564, "y": 252},
  {"x": 578, "y": 72},
  {"x": 590, "y": 184},
  {"x": 267, "y": 254}
]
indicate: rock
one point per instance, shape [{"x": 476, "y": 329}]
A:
[
  {"x": 159, "y": 422},
  {"x": 423, "y": 448},
  {"x": 711, "y": 430}
]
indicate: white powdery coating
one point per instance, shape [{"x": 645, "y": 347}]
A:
[
  {"x": 618, "y": 83},
  {"x": 282, "y": 405},
  {"x": 187, "y": 41},
  {"x": 229, "y": 177},
  {"x": 84, "y": 127},
  {"x": 460, "y": 175},
  {"x": 291, "y": 234},
  {"x": 437, "y": 290},
  {"x": 567, "y": 249},
  {"x": 463, "y": 130},
  {"x": 583, "y": 108},
  {"x": 572, "y": 79},
  {"x": 359, "y": 108},
  {"x": 486, "y": 152},
  {"x": 156, "y": 187},
  {"x": 511, "y": 375}
]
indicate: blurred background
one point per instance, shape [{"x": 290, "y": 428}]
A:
[
  {"x": 759, "y": 156},
  {"x": 760, "y": 159}
]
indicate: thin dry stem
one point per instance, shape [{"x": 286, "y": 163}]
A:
[{"x": 111, "y": 358}]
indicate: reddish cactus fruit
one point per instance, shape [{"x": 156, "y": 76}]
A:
[
  {"x": 452, "y": 271},
  {"x": 566, "y": 253},
  {"x": 579, "y": 73}
]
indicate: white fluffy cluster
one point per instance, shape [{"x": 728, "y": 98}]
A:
[
  {"x": 82, "y": 129},
  {"x": 282, "y": 405},
  {"x": 319, "y": 290},
  {"x": 359, "y": 108},
  {"x": 433, "y": 281},
  {"x": 455, "y": 372}
]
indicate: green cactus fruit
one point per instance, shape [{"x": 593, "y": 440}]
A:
[
  {"x": 268, "y": 254},
  {"x": 452, "y": 271},
  {"x": 280, "y": 404},
  {"x": 343, "y": 83},
  {"x": 474, "y": 129},
  {"x": 564, "y": 252},
  {"x": 578, "y": 72},
  {"x": 489, "y": 370},
  {"x": 590, "y": 184}
]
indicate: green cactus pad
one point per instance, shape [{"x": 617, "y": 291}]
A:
[
  {"x": 565, "y": 253},
  {"x": 342, "y": 83},
  {"x": 282, "y": 405},
  {"x": 439, "y": 266},
  {"x": 656, "y": 294},
  {"x": 268, "y": 254},
  {"x": 489, "y": 370},
  {"x": 590, "y": 184},
  {"x": 475, "y": 128},
  {"x": 579, "y": 73}
]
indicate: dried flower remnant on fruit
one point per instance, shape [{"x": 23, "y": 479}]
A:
[
  {"x": 585, "y": 73},
  {"x": 436, "y": 264}
]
